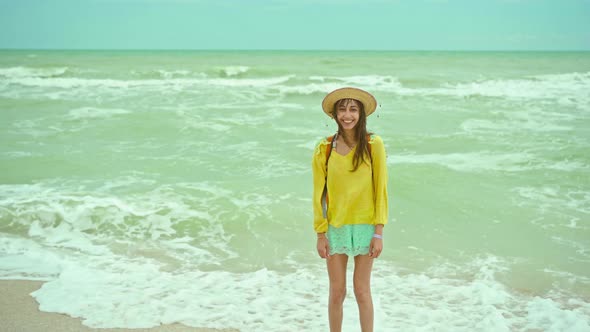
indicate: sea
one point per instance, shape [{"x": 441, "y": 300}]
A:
[{"x": 158, "y": 187}]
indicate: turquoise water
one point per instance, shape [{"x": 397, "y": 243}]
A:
[{"x": 179, "y": 184}]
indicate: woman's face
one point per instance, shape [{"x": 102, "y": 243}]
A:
[{"x": 348, "y": 114}]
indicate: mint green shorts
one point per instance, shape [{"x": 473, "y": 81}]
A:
[{"x": 350, "y": 240}]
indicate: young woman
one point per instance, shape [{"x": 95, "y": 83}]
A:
[{"x": 350, "y": 200}]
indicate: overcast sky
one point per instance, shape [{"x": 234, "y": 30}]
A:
[{"x": 296, "y": 24}]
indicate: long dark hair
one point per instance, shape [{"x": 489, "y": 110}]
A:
[{"x": 361, "y": 155}]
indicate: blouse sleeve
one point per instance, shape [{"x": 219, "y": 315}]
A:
[
  {"x": 318, "y": 166},
  {"x": 379, "y": 179}
]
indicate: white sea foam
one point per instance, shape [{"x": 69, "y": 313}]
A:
[
  {"x": 553, "y": 197},
  {"x": 61, "y": 217},
  {"x": 94, "y": 112},
  {"x": 18, "y": 154},
  {"x": 503, "y": 126},
  {"x": 22, "y": 258},
  {"x": 581, "y": 249},
  {"x": 182, "y": 248},
  {"x": 566, "y": 89},
  {"x": 38, "y": 127},
  {"x": 22, "y": 72},
  {"x": 230, "y": 71},
  {"x": 141, "y": 293},
  {"x": 150, "y": 91},
  {"x": 569, "y": 88},
  {"x": 85, "y": 222},
  {"x": 75, "y": 82},
  {"x": 568, "y": 277},
  {"x": 326, "y": 84},
  {"x": 65, "y": 236},
  {"x": 169, "y": 74},
  {"x": 205, "y": 125},
  {"x": 547, "y": 315},
  {"x": 148, "y": 273},
  {"x": 558, "y": 208},
  {"x": 506, "y": 122},
  {"x": 487, "y": 161}
]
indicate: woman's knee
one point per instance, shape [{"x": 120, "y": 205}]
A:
[
  {"x": 337, "y": 293},
  {"x": 362, "y": 292}
]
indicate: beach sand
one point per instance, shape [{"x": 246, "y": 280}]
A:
[{"x": 19, "y": 313}]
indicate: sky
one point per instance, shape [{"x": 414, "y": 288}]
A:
[{"x": 296, "y": 24}]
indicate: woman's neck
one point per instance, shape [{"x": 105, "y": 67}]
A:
[{"x": 348, "y": 136}]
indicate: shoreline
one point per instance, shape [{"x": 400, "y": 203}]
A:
[{"x": 19, "y": 311}]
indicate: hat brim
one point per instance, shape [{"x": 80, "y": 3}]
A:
[{"x": 369, "y": 102}]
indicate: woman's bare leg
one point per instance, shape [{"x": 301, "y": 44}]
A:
[
  {"x": 363, "y": 264},
  {"x": 337, "y": 274}
]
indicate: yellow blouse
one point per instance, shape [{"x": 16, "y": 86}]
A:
[{"x": 358, "y": 197}]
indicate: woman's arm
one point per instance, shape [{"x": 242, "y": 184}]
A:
[
  {"x": 318, "y": 166},
  {"x": 380, "y": 179}
]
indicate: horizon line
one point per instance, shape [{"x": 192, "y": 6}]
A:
[{"x": 292, "y": 50}]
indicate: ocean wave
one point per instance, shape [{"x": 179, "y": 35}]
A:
[
  {"x": 581, "y": 248},
  {"x": 488, "y": 161},
  {"x": 161, "y": 252},
  {"x": 550, "y": 198},
  {"x": 566, "y": 88},
  {"x": 165, "y": 74},
  {"x": 77, "y": 82},
  {"x": 532, "y": 124},
  {"x": 231, "y": 71},
  {"x": 94, "y": 112},
  {"x": 447, "y": 297},
  {"x": 64, "y": 214},
  {"x": 19, "y": 154},
  {"x": 324, "y": 84},
  {"x": 24, "y": 72},
  {"x": 42, "y": 209},
  {"x": 168, "y": 74}
]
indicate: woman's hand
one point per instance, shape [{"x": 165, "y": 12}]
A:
[
  {"x": 375, "y": 247},
  {"x": 323, "y": 246}
]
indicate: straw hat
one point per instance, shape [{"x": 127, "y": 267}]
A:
[{"x": 369, "y": 102}]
